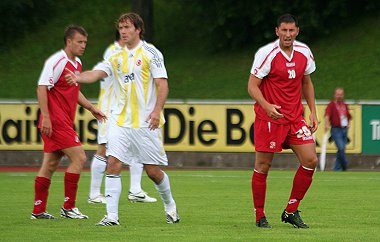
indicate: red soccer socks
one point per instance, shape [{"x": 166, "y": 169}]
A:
[
  {"x": 301, "y": 183},
  {"x": 259, "y": 186},
  {"x": 71, "y": 187},
  {"x": 41, "y": 191}
]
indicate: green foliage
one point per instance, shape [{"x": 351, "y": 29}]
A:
[
  {"x": 233, "y": 24},
  {"x": 215, "y": 205},
  {"x": 20, "y": 17},
  {"x": 345, "y": 56}
]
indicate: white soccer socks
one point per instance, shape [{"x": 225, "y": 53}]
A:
[
  {"x": 166, "y": 194},
  {"x": 112, "y": 194},
  {"x": 98, "y": 166},
  {"x": 135, "y": 170}
]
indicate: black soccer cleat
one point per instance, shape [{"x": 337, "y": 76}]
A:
[
  {"x": 294, "y": 219},
  {"x": 263, "y": 223},
  {"x": 44, "y": 215}
]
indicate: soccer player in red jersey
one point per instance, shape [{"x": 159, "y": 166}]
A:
[
  {"x": 280, "y": 76},
  {"x": 58, "y": 102}
]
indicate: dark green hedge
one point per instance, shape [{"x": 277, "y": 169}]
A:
[
  {"x": 18, "y": 17},
  {"x": 219, "y": 23},
  {"x": 232, "y": 23}
]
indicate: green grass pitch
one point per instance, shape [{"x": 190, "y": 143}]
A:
[{"x": 214, "y": 205}]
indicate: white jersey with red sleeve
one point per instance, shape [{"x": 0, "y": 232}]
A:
[
  {"x": 62, "y": 98},
  {"x": 282, "y": 79}
]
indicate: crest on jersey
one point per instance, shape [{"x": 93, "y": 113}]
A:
[{"x": 138, "y": 62}]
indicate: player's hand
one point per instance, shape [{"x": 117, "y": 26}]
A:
[
  {"x": 71, "y": 78},
  {"x": 46, "y": 127},
  {"x": 313, "y": 122},
  {"x": 273, "y": 112},
  {"x": 153, "y": 120},
  {"x": 99, "y": 115}
]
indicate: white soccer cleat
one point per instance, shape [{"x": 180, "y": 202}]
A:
[
  {"x": 107, "y": 222},
  {"x": 141, "y": 197},
  {"x": 172, "y": 217},
  {"x": 98, "y": 199},
  {"x": 72, "y": 213}
]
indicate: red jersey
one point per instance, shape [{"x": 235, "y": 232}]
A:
[
  {"x": 62, "y": 98},
  {"x": 338, "y": 111},
  {"x": 282, "y": 79}
]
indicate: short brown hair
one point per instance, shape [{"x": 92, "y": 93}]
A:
[
  {"x": 287, "y": 18},
  {"x": 71, "y": 30},
  {"x": 137, "y": 21}
]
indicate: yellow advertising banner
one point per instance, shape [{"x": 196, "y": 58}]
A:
[
  {"x": 204, "y": 127},
  {"x": 228, "y": 128}
]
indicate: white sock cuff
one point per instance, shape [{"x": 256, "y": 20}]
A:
[
  {"x": 101, "y": 158},
  {"x": 309, "y": 169},
  {"x": 113, "y": 176}
]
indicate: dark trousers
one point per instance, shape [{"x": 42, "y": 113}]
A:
[{"x": 340, "y": 138}]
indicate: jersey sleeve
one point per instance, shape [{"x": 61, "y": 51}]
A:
[
  {"x": 310, "y": 67},
  {"x": 157, "y": 66},
  {"x": 261, "y": 64},
  {"x": 105, "y": 66},
  {"x": 109, "y": 51},
  {"x": 51, "y": 71}
]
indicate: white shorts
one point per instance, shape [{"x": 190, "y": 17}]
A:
[
  {"x": 139, "y": 145},
  {"x": 102, "y": 132}
]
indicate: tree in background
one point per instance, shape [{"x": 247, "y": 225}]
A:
[
  {"x": 18, "y": 17},
  {"x": 233, "y": 24},
  {"x": 145, "y": 9}
]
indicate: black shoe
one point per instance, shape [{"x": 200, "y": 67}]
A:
[
  {"x": 294, "y": 219},
  {"x": 43, "y": 215},
  {"x": 263, "y": 223}
]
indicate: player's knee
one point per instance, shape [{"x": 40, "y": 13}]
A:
[
  {"x": 83, "y": 158},
  {"x": 52, "y": 166},
  {"x": 311, "y": 162},
  {"x": 155, "y": 175},
  {"x": 263, "y": 165},
  {"x": 114, "y": 166}
]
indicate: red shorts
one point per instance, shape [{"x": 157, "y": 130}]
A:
[
  {"x": 60, "y": 139},
  {"x": 273, "y": 137}
]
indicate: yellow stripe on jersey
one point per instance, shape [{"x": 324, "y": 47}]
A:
[
  {"x": 125, "y": 86},
  {"x": 145, "y": 76},
  {"x": 161, "y": 120},
  {"x": 100, "y": 98},
  {"x": 135, "y": 121},
  {"x": 124, "y": 67},
  {"x": 123, "y": 114},
  {"x": 109, "y": 98}
]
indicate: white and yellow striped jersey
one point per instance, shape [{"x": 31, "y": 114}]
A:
[
  {"x": 132, "y": 73},
  {"x": 105, "y": 99}
]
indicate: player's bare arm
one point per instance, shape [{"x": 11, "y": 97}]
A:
[
  {"x": 256, "y": 94},
  {"x": 308, "y": 93},
  {"x": 46, "y": 127},
  {"x": 84, "y": 102},
  {"x": 162, "y": 94},
  {"x": 84, "y": 77}
]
